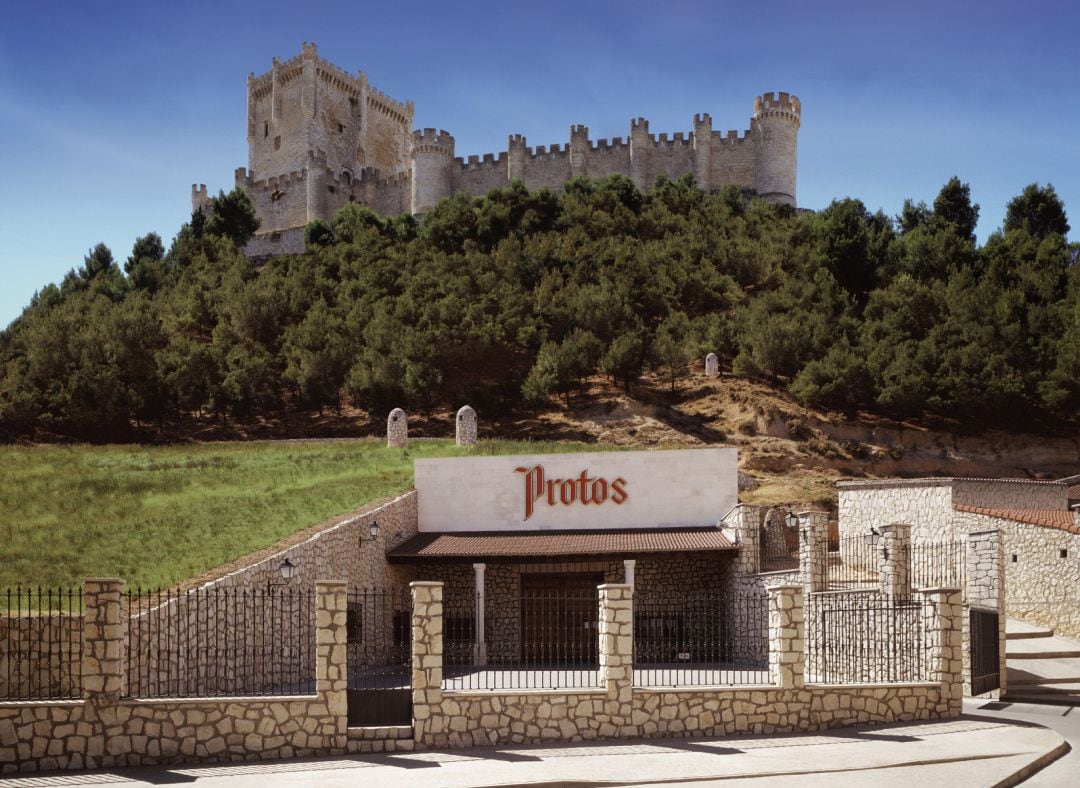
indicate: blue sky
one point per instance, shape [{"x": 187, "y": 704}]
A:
[{"x": 109, "y": 111}]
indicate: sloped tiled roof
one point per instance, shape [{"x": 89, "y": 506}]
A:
[
  {"x": 539, "y": 544},
  {"x": 1047, "y": 518}
]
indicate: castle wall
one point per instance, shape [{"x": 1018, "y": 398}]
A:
[
  {"x": 277, "y": 126},
  {"x": 478, "y": 176},
  {"x": 389, "y": 139},
  {"x": 733, "y": 161},
  {"x": 547, "y": 168},
  {"x": 608, "y": 157}
]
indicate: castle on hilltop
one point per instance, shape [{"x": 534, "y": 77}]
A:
[{"x": 319, "y": 137}]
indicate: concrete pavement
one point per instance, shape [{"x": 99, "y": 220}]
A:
[
  {"x": 966, "y": 752},
  {"x": 1062, "y": 773}
]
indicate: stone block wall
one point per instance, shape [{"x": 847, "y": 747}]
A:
[
  {"x": 1042, "y": 570},
  {"x": 445, "y": 718},
  {"x": 105, "y": 729},
  {"x": 40, "y": 655}
]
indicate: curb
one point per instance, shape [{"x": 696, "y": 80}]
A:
[{"x": 1036, "y": 765}]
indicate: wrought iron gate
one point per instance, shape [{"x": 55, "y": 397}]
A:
[
  {"x": 985, "y": 663},
  {"x": 379, "y": 626}
]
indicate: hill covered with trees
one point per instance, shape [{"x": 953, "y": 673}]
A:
[{"x": 521, "y": 296}]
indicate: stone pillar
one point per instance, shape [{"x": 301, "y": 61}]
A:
[
  {"x": 427, "y": 663},
  {"x": 640, "y": 150},
  {"x": 712, "y": 366},
  {"x": 104, "y": 680},
  {"x": 397, "y": 429},
  {"x": 617, "y": 651},
  {"x": 331, "y": 656},
  {"x": 480, "y": 647},
  {"x": 944, "y": 609},
  {"x": 894, "y": 560},
  {"x": 744, "y": 521},
  {"x": 466, "y": 426},
  {"x": 813, "y": 550},
  {"x": 986, "y": 590},
  {"x": 703, "y": 150},
  {"x": 104, "y": 641},
  {"x": 786, "y": 636},
  {"x": 579, "y": 149},
  {"x": 628, "y": 565},
  {"x": 516, "y": 155}
]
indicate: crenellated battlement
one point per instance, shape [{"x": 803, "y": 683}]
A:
[
  {"x": 778, "y": 105},
  {"x": 431, "y": 141},
  {"x": 611, "y": 144}
]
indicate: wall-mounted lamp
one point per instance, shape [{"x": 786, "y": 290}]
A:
[
  {"x": 373, "y": 531},
  {"x": 287, "y": 568},
  {"x": 873, "y": 538}
]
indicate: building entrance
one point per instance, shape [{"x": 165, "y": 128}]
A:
[{"x": 559, "y": 617}]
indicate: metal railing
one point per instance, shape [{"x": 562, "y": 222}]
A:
[
  {"x": 221, "y": 641},
  {"x": 855, "y": 565},
  {"x": 533, "y": 639},
  {"x": 865, "y": 637},
  {"x": 939, "y": 564},
  {"x": 700, "y": 639},
  {"x": 779, "y": 546},
  {"x": 41, "y": 633}
]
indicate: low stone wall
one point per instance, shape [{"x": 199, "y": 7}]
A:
[
  {"x": 105, "y": 729},
  {"x": 40, "y": 656},
  {"x": 620, "y": 710}
]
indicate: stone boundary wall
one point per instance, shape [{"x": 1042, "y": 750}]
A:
[
  {"x": 104, "y": 729},
  {"x": 1041, "y": 586},
  {"x": 620, "y": 710},
  {"x": 41, "y": 655}
]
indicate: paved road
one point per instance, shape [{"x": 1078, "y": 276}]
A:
[
  {"x": 965, "y": 753},
  {"x": 1063, "y": 773}
]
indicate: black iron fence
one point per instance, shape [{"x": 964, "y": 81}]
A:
[
  {"x": 778, "y": 544},
  {"x": 856, "y": 564},
  {"x": 700, "y": 639},
  {"x": 939, "y": 564},
  {"x": 41, "y": 633},
  {"x": 379, "y": 632},
  {"x": 221, "y": 641},
  {"x": 865, "y": 637},
  {"x": 531, "y": 639}
]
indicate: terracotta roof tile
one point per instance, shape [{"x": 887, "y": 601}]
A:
[
  {"x": 534, "y": 544},
  {"x": 1074, "y": 492},
  {"x": 1047, "y": 518}
]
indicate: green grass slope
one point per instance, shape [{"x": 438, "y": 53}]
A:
[{"x": 158, "y": 515}]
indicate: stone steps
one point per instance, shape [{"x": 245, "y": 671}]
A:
[
  {"x": 1065, "y": 654},
  {"x": 381, "y": 738}
]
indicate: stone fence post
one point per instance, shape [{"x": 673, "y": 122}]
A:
[
  {"x": 617, "y": 651},
  {"x": 894, "y": 562},
  {"x": 104, "y": 641},
  {"x": 745, "y": 521},
  {"x": 786, "y": 636},
  {"x": 986, "y": 590},
  {"x": 331, "y": 655},
  {"x": 944, "y": 609},
  {"x": 813, "y": 550},
  {"x": 427, "y": 663}
]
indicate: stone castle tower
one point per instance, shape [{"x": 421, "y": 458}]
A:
[{"x": 319, "y": 137}]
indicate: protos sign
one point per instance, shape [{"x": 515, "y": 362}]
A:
[
  {"x": 595, "y": 490},
  {"x": 583, "y": 489}
]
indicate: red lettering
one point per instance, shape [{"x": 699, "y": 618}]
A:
[
  {"x": 582, "y": 488},
  {"x": 599, "y": 490},
  {"x": 534, "y": 484},
  {"x": 618, "y": 491}
]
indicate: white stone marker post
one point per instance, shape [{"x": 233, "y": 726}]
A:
[
  {"x": 712, "y": 366},
  {"x": 397, "y": 429},
  {"x": 466, "y": 426}
]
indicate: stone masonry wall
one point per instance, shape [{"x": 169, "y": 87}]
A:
[
  {"x": 104, "y": 729},
  {"x": 40, "y": 656},
  {"x": 619, "y": 710},
  {"x": 1041, "y": 586}
]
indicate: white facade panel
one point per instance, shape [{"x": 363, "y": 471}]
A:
[{"x": 603, "y": 490}]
